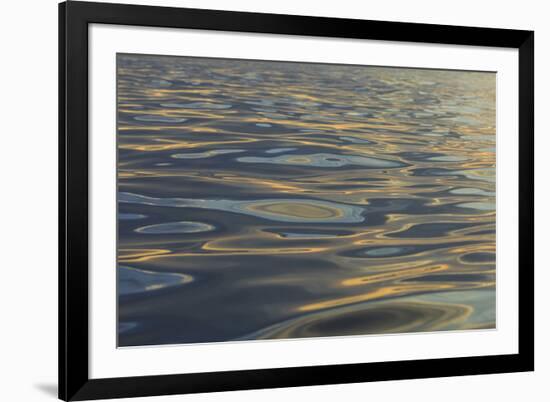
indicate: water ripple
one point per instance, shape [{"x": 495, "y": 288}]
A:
[
  {"x": 133, "y": 280},
  {"x": 323, "y": 160},
  {"x": 176, "y": 227},
  {"x": 282, "y": 210}
]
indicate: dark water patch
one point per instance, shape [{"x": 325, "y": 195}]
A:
[
  {"x": 448, "y": 158},
  {"x": 483, "y": 232},
  {"x": 324, "y": 160},
  {"x": 279, "y": 150},
  {"x": 124, "y": 326},
  {"x": 197, "y": 105},
  {"x": 357, "y": 140},
  {"x": 413, "y": 206},
  {"x": 479, "y": 258},
  {"x": 418, "y": 156},
  {"x": 206, "y": 154},
  {"x": 253, "y": 128},
  {"x": 157, "y": 83},
  {"x": 347, "y": 187},
  {"x": 233, "y": 311},
  {"x": 452, "y": 278},
  {"x": 481, "y": 206},
  {"x": 402, "y": 250},
  {"x": 430, "y": 171},
  {"x": 160, "y": 119},
  {"x": 427, "y": 186},
  {"x": 471, "y": 191},
  {"x": 292, "y": 233},
  {"x": 129, "y": 216},
  {"x": 427, "y": 230}
]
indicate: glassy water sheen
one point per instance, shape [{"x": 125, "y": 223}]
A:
[{"x": 264, "y": 200}]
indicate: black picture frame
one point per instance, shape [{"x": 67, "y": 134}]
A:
[{"x": 74, "y": 381}]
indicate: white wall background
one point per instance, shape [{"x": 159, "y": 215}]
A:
[{"x": 28, "y": 201}]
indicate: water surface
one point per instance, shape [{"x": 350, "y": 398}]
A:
[{"x": 268, "y": 200}]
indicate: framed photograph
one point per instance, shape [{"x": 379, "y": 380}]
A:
[{"x": 258, "y": 200}]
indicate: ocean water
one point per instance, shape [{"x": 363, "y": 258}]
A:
[{"x": 269, "y": 200}]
